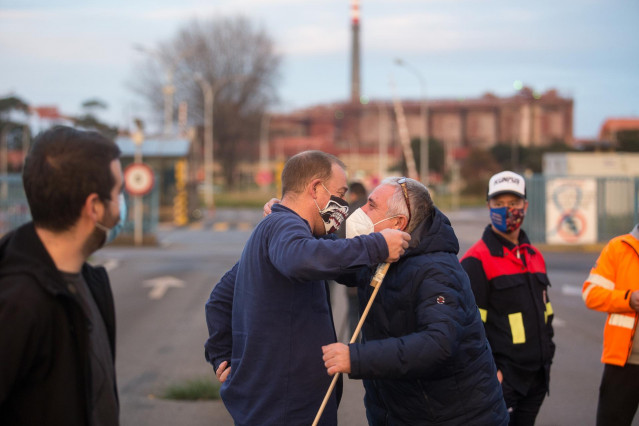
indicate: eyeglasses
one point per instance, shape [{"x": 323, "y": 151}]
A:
[{"x": 404, "y": 186}]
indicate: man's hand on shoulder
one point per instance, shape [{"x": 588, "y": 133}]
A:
[
  {"x": 397, "y": 242},
  {"x": 268, "y": 205}
]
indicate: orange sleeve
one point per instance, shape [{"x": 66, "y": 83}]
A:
[{"x": 600, "y": 290}]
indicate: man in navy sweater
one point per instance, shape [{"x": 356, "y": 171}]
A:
[{"x": 270, "y": 315}]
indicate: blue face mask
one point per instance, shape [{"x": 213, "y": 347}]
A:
[
  {"x": 507, "y": 219},
  {"x": 112, "y": 233}
]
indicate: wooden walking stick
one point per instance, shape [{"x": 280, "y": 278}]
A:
[{"x": 376, "y": 282}]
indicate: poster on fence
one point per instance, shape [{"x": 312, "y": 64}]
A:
[{"x": 571, "y": 211}]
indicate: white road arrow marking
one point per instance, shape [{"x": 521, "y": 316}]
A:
[{"x": 161, "y": 285}]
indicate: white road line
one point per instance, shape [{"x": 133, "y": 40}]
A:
[
  {"x": 571, "y": 290},
  {"x": 558, "y": 322}
]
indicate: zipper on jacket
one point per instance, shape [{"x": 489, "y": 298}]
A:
[
  {"x": 634, "y": 329},
  {"x": 539, "y": 314},
  {"x": 428, "y": 406},
  {"x": 632, "y": 338}
]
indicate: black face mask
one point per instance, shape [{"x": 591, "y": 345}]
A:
[{"x": 334, "y": 213}]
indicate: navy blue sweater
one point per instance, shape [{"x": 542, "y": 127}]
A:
[{"x": 271, "y": 314}]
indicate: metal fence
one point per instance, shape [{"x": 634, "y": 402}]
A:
[
  {"x": 150, "y": 216},
  {"x": 14, "y": 210},
  {"x": 580, "y": 209}
]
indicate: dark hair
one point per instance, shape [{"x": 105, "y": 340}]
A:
[
  {"x": 358, "y": 190},
  {"x": 63, "y": 168},
  {"x": 301, "y": 168}
]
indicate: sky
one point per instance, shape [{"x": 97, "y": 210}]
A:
[{"x": 64, "y": 52}]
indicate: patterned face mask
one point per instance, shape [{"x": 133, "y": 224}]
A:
[
  {"x": 507, "y": 219},
  {"x": 334, "y": 213}
]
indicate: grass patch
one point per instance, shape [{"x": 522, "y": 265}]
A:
[
  {"x": 193, "y": 390},
  {"x": 446, "y": 201}
]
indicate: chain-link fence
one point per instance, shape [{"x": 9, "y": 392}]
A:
[{"x": 14, "y": 210}]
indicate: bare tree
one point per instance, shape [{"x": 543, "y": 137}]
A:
[{"x": 235, "y": 57}]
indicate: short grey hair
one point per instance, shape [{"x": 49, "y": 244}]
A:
[{"x": 421, "y": 204}]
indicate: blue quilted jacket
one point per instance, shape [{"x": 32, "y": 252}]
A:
[{"x": 424, "y": 356}]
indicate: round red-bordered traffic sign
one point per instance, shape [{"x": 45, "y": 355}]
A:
[{"x": 138, "y": 179}]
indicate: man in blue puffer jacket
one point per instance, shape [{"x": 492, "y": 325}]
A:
[{"x": 424, "y": 357}]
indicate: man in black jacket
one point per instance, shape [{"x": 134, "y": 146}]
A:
[
  {"x": 57, "y": 319},
  {"x": 508, "y": 277},
  {"x": 424, "y": 356}
]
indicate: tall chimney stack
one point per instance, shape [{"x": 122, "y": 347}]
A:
[{"x": 355, "y": 92}]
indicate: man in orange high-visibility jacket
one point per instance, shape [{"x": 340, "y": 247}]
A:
[{"x": 613, "y": 287}]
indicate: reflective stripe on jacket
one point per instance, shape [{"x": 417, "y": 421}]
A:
[
  {"x": 608, "y": 288},
  {"x": 511, "y": 290}
]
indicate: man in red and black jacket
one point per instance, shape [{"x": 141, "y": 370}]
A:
[{"x": 508, "y": 278}]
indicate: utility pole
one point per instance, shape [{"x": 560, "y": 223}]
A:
[
  {"x": 382, "y": 122},
  {"x": 138, "y": 212}
]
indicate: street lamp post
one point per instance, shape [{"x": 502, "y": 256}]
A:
[
  {"x": 382, "y": 117},
  {"x": 168, "y": 89},
  {"x": 264, "y": 154},
  {"x": 209, "y": 98},
  {"x": 209, "y": 90},
  {"x": 138, "y": 207},
  {"x": 423, "y": 112}
]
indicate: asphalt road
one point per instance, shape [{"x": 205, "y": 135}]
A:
[{"x": 160, "y": 294}]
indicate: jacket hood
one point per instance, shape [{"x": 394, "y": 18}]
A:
[
  {"x": 433, "y": 234},
  {"x": 22, "y": 252}
]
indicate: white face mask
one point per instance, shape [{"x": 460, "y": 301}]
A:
[{"x": 358, "y": 223}]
